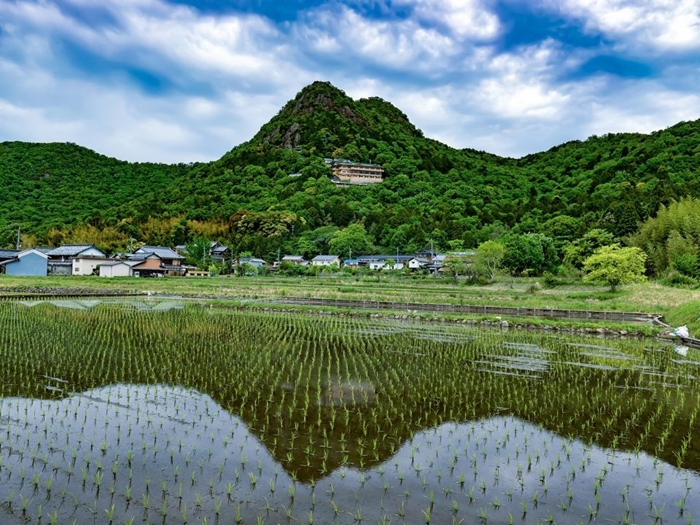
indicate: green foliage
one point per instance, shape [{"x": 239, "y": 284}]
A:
[
  {"x": 198, "y": 253},
  {"x": 678, "y": 280},
  {"x": 581, "y": 249},
  {"x": 489, "y": 256},
  {"x": 531, "y": 253},
  {"x": 457, "y": 198},
  {"x": 457, "y": 265},
  {"x": 673, "y": 233},
  {"x": 291, "y": 269},
  {"x": 687, "y": 264},
  {"x": 615, "y": 266},
  {"x": 353, "y": 239},
  {"x": 57, "y": 186}
]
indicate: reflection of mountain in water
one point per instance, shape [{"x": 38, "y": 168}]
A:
[{"x": 182, "y": 455}]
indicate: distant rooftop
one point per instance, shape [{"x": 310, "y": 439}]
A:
[
  {"x": 69, "y": 250},
  {"x": 160, "y": 251}
]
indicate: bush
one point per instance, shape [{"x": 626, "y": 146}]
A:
[
  {"x": 679, "y": 280},
  {"x": 550, "y": 281},
  {"x": 686, "y": 264}
]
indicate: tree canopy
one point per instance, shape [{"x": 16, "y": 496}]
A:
[
  {"x": 431, "y": 192},
  {"x": 615, "y": 266}
]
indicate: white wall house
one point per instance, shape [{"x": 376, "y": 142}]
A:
[
  {"x": 117, "y": 269},
  {"x": 325, "y": 260},
  {"x": 85, "y": 265}
]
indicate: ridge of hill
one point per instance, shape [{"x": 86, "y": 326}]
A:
[{"x": 66, "y": 193}]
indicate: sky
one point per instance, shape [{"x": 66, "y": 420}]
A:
[{"x": 187, "y": 80}]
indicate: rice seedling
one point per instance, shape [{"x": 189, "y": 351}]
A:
[{"x": 318, "y": 409}]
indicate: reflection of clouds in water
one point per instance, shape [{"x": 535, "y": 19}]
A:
[
  {"x": 171, "y": 439},
  {"x": 89, "y": 304}
]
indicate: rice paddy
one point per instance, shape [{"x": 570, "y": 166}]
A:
[{"x": 167, "y": 413}]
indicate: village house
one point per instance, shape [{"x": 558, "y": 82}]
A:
[
  {"x": 219, "y": 253},
  {"x": 295, "y": 259},
  {"x": 325, "y": 260},
  {"x": 89, "y": 264},
  {"x": 61, "y": 259},
  {"x": 31, "y": 262},
  {"x": 6, "y": 255},
  {"x": 253, "y": 261},
  {"x": 156, "y": 260},
  {"x": 379, "y": 262},
  {"x": 118, "y": 268}
]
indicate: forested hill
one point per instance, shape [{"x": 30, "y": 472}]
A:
[{"x": 65, "y": 193}]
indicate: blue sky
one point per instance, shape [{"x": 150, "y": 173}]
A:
[{"x": 187, "y": 80}]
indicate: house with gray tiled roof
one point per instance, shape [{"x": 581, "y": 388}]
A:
[
  {"x": 170, "y": 262},
  {"x": 325, "y": 260},
  {"x": 295, "y": 259},
  {"x": 379, "y": 262},
  {"x": 253, "y": 261},
  {"x": 69, "y": 251},
  {"x": 168, "y": 255},
  {"x": 61, "y": 259}
]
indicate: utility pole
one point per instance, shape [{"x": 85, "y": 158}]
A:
[{"x": 19, "y": 238}]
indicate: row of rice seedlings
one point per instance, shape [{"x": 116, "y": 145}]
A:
[{"x": 329, "y": 398}]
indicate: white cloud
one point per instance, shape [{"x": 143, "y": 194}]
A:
[
  {"x": 521, "y": 86},
  {"x": 639, "y": 107},
  {"x": 120, "y": 122},
  {"x": 168, "y": 38},
  {"x": 227, "y": 75},
  {"x": 344, "y": 34},
  {"x": 465, "y": 19},
  {"x": 661, "y": 24}
]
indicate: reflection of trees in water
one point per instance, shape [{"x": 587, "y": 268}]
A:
[
  {"x": 166, "y": 454},
  {"x": 325, "y": 395}
]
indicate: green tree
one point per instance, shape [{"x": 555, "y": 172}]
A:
[
  {"x": 532, "y": 253},
  {"x": 581, "y": 249},
  {"x": 198, "y": 252},
  {"x": 459, "y": 264},
  {"x": 488, "y": 258},
  {"x": 354, "y": 238},
  {"x": 615, "y": 266}
]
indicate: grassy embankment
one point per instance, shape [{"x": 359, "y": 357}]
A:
[{"x": 678, "y": 306}]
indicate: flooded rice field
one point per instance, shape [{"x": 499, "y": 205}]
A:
[{"x": 132, "y": 413}]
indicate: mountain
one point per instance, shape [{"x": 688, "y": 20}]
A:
[{"x": 65, "y": 193}]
